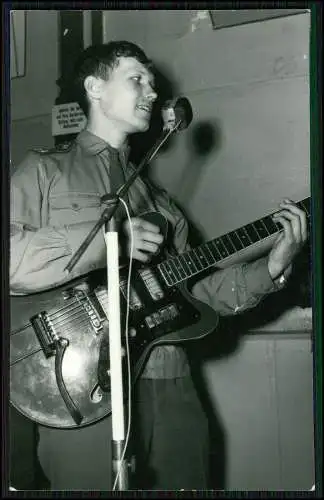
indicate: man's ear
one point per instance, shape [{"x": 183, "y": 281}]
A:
[{"x": 93, "y": 87}]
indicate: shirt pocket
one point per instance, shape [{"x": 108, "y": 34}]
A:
[{"x": 72, "y": 208}]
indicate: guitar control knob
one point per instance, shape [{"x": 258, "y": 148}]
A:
[{"x": 132, "y": 332}]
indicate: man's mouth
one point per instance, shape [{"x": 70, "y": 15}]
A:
[{"x": 146, "y": 108}]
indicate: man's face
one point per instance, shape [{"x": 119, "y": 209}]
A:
[{"x": 127, "y": 97}]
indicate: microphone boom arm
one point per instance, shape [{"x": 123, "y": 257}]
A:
[{"x": 113, "y": 202}]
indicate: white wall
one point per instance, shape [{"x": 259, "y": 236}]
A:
[
  {"x": 263, "y": 395},
  {"x": 33, "y": 95}
]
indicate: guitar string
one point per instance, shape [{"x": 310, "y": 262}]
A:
[
  {"x": 99, "y": 293},
  {"x": 189, "y": 255},
  {"x": 76, "y": 324},
  {"x": 85, "y": 319},
  {"x": 38, "y": 349},
  {"x": 77, "y": 307},
  {"x": 35, "y": 351},
  {"x": 203, "y": 245},
  {"x": 79, "y": 312},
  {"x": 55, "y": 316},
  {"x": 69, "y": 327},
  {"x": 75, "y": 304},
  {"x": 67, "y": 308},
  {"x": 64, "y": 310}
]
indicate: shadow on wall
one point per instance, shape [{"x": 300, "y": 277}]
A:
[{"x": 203, "y": 138}]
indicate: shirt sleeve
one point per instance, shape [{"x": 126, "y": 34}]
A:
[
  {"x": 231, "y": 290},
  {"x": 237, "y": 288},
  {"x": 39, "y": 253}
]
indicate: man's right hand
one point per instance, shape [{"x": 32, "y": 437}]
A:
[{"x": 147, "y": 239}]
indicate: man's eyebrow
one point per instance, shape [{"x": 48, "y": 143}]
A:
[{"x": 142, "y": 72}]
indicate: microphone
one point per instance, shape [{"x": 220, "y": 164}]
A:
[{"x": 176, "y": 113}]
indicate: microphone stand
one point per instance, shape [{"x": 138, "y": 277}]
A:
[{"x": 119, "y": 464}]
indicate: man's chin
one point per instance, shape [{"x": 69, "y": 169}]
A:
[{"x": 142, "y": 126}]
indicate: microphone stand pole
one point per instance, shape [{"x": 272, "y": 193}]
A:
[{"x": 119, "y": 464}]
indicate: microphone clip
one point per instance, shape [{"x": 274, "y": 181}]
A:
[{"x": 177, "y": 114}]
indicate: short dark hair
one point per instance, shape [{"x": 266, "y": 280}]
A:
[{"x": 99, "y": 60}]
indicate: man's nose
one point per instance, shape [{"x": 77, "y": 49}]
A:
[{"x": 151, "y": 94}]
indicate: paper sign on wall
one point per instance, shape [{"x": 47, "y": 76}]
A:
[{"x": 67, "y": 118}]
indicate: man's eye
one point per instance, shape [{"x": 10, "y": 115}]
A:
[{"x": 136, "y": 78}]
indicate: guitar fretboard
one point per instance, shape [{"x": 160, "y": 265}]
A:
[{"x": 208, "y": 254}]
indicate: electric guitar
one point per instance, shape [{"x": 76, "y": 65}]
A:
[{"x": 59, "y": 342}]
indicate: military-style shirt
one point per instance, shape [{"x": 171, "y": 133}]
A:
[{"x": 55, "y": 202}]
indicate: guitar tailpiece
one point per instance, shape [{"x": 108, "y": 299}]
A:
[{"x": 61, "y": 345}]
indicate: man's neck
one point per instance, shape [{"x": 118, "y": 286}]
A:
[{"x": 108, "y": 133}]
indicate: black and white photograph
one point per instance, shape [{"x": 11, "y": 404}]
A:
[{"x": 161, "y": 250}]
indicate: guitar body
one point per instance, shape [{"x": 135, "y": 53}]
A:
[
  {"x": 77, "y": 312},
  {"x": 33, "y": 386},
  {"x": 59, "y": 340}
]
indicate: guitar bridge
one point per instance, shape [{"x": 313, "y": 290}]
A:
[
  {"x": 45, "y": 333},
  {"x": 163, "y": 315}
]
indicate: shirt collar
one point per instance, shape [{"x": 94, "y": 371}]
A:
[{"x": 94, "y": 145}]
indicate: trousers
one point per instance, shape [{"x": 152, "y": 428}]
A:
[{"x": 170, "y": 440}]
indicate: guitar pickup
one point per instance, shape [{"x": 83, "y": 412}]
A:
[
  {"x": 162, "y": 316},
  {"x": 45, "y": 333},
  {"x": 152, "y": 284},
  {"x": 89, "y": 308},
  {"x": 134, "y": 302}
]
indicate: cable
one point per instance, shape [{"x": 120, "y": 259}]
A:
[{"x": 127, "y": 341}]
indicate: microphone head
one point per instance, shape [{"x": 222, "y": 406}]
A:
[{"x": 177, "y": 111}]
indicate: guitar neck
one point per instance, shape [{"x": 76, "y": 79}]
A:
[{"x": 206, "y": 255}]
